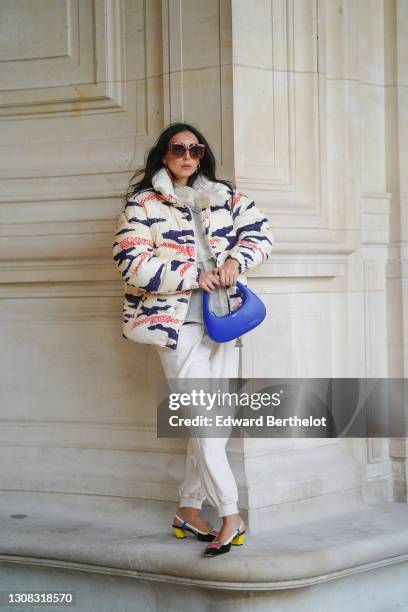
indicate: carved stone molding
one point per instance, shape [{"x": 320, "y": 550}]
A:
[{"x": 80, "y": 67}]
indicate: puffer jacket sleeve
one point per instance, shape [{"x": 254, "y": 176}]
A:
[
  {"x": 133, "y": 252},
  {"x": 254, "y": 236}
]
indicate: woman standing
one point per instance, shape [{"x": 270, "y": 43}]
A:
[{"x": 182, "y": 232}]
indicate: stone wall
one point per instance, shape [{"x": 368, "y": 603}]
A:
[{"x": 305, "y": 106}]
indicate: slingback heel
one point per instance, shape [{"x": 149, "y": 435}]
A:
[
  {"x": 217, "y": 548},
  {"x": 239, "y": 539},
  {"x": 180, "y": 531}
]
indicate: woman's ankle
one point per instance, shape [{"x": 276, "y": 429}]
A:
[
  {"x": 231, "y": 518},
  {"x": 188, "y": 510}
]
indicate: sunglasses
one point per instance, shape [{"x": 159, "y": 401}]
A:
[{"x": 178, "y": 149}]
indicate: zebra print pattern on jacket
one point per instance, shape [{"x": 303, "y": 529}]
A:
[{"x": 154, "y": 249}]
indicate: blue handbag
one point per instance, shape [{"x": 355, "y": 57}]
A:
[{"x": 250, "y": 314}]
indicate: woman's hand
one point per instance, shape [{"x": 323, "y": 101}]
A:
[
  {"x": 208, "y": 280},
  {"x": 228, "y": 273}
]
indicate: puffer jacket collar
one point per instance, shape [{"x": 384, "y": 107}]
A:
[{"x": 204, "y": 193}]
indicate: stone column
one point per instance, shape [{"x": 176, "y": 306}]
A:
[
  {"x": 396, "y": 35},
  {"x": 310, "y": 147}
]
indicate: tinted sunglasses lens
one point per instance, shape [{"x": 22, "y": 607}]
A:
[
  {"x": 177, "y": 149},
  {"x": 197, "y": 151}
]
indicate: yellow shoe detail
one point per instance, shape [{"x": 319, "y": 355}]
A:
[
  {"x": 179, "y": 533},
  {"x": 238, "y": 540}
]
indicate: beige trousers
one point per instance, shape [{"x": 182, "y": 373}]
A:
[{"x": 207, "y": 470}]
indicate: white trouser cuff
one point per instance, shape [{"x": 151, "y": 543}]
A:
[
  {"x": 227, "y": 509},
  {"x": 190, "y": 502}
]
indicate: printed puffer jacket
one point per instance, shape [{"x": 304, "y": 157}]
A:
[{"x": 155, "y": 251}]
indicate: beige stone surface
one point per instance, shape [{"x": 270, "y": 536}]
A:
[{"x": 305, "y": 106}]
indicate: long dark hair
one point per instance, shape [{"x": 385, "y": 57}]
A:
[{"x": 158, "y": 151}]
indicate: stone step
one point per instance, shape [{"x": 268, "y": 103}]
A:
[{"x": 361, "y": 553}]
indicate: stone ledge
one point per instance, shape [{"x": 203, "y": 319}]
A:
[{"x": 133, "y": 537}]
